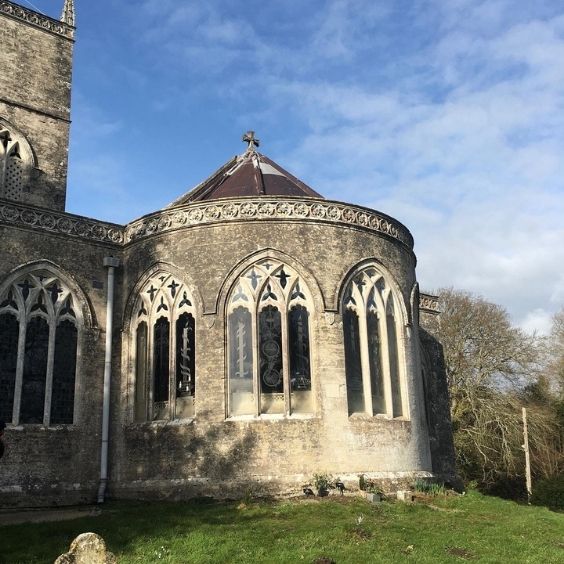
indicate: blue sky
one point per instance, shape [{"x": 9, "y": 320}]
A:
[{"x": 446, "y": 114}]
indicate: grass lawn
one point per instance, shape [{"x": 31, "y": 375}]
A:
[{"x": 447, "y": 529}]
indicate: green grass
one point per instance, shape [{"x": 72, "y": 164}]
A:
[{"x": 446, "y": 529}]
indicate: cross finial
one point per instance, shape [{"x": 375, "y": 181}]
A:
[
  {"x": 68, "y": 13},
  {"x": 250, "y": 138}
]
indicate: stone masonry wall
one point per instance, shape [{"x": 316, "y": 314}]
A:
[
  {"x": 186, "y": 458},
  {"x": 35, "y": 89},
  {"x": 59, "y": 465}
]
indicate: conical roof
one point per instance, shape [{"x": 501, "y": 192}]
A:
[{"x": 249, "y": 174}]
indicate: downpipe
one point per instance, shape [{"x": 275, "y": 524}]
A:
[{"x": 111, "y": 263}]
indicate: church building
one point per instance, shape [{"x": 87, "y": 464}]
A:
[{"x": 241, "y": 339}]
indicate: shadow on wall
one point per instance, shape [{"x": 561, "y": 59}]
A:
[
  {"x": 437, "y": 407},
  {"x": 183, "y": 460}
]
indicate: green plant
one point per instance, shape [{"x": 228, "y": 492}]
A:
[
  {"x": 322, "y": 481},
  {"x": 430, "y": 488},
  {"x": 549, "y": 492},
  {"x": 362, "y": 483}
]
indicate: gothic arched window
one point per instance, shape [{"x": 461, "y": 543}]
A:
[
  {"x": 269, "y": 342},
  {"x": 16, "y": 159},
  {"x": 164, "y": 350},
  {"x": 38, "y": 350},
  {"x": 372, "y": 349}
]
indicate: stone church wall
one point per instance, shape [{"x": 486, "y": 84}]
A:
[
  {"x": 35, "y": 89},
  {"x": 188, "y": 458},
  {"x": 59, "y": 464}
]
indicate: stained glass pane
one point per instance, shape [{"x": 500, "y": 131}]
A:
[
  {"x": 141, "y": 373},
  {"x": 241, "y": 397},
  {"x": 185, "y": 358},
  {"x": 270, "y": 344},
  {"x": 355, "y": 391},
  {"x": 300, "y": 373},
  {"x": 185, "y": 366},
  {"x": 64, "y": 373},
  {"x": 394, "y": 366},
  {"x": 9, "y": 333},
  {"x": 161, "y": 360},
  {"x": 35, "y": 371},
  {"x": 376, "y": 380}
]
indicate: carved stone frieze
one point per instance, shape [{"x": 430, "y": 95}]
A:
[
  {"x": 429, "y": 303},
  {"x": 196, "y": 214},
  {"x": 65, "y": 224},
  {"x": 266, "y": 208},
  {"x": 35, "y": 19}
]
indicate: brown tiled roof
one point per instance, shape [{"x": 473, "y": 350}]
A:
[{"x": 250, "y": 174}]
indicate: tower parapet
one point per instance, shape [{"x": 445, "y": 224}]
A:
[{"x": 64, "y": 28}]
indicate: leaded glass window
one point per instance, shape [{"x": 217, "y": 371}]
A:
[
  {"x": 39, "y": 341},
  {"x": 64, "y": 373},
  {"x": 242, "y": 398},
  {"x": 141, "y": 373},
  {"x": 268, "y": 313},
  {"x": 164, "y": 350},
  {"x": 9, "y": 334},
  {"x": 373, "y": 356},
  {"x": 353, "y": 363}
]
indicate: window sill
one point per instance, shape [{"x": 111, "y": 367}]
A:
[
  {"x": 163, "y": 423},
  {"x": 378, "y": 417},
  {"x": 274, "y": 417},
  {"x": 38, "y": 427}
]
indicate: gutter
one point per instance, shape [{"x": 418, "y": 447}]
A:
[{"x": 111, "y": 263}]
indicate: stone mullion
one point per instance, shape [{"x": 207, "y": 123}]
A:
[
  {"x": 365, "y": 362},
  {"x": 149, "y": 384},
  {"x": 19, "y": 370},
  {"x": 256, "y": 361},
  {"x": 285, "y": 361},
  {"x": 49, "y": 375},
  {"x": 172, "y": 370},
  {"x": 385, "y": 359}
]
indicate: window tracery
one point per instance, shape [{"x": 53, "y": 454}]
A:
[
  {"x": 269, "y": 361},
  {"x": 39, "y": 332},
  {"x": 164, "y": 344},
  {"x": 15, "y": 161},
  {"x": 372, "y": 346}
]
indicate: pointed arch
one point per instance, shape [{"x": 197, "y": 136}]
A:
[
  {"x": 16, "y": 161},
  {"x": 268, "y": 308},
  {"x": 374, "y": 324},
  {"x": 160, "y": 322},
  {"x": 274, "y": 254},
  {"x": 43, "y": 381}
]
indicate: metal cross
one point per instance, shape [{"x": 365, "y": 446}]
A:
[{"x": 250, "y": 138}]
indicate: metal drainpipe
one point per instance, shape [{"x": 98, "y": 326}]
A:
[{"x": 111, "y": 263}]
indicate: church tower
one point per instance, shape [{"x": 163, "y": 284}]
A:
[{"x": 35, "y": 93}]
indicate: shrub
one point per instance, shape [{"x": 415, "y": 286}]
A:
[
  {"x": 322, "y": 481},
  {"x": 549, "y": 492}
]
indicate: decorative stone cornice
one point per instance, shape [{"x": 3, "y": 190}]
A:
[
  {"x": 429, "y": 304},
  {"x": 60, "y": 223},
  {"x": 196, "y": 214},
  {"x": 35, "y": 19},
  {"x": 263, "y": 208}
]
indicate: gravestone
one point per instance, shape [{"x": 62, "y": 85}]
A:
[{"x": 88, "y": 548}]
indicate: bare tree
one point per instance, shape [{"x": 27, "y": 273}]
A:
[{"x": 488, "y": 363}]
